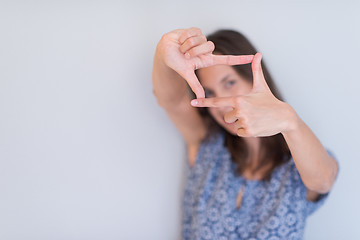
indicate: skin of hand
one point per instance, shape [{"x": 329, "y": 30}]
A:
[
  {"x": 258, "y": 113},
  {"x": 185, "y": 50}
]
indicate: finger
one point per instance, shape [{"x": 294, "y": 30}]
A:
[
  {"x": 232, "y": 59},
  {"x": 241, "y": 122},
  {"x": 231, "y": 116},
  {"x": 194, "y": 84},
  {"x": 204, "y": 48},
  {"x": 259, "y": 82},
  {"x": 190, "y": 32},
  {"x": 242, "y": 132},
  {"x": 238, "y": 124},
  {"x": 192, "y": 42},
  {"x": 214, "y": 102}
]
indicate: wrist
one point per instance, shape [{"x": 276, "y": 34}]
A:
[
  {"x": 293, "y": 121},
  {"x": 162, "y": 67}
]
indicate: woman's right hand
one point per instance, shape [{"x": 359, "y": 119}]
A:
[{"x": 185, "y": 50}]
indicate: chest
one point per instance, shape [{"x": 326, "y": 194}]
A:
[{"x": 217, "y": 187}]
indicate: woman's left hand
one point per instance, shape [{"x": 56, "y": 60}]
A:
[{"x": 258, "y": 113}]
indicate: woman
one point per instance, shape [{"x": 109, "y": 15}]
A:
[{"x": 255, "y": 169}]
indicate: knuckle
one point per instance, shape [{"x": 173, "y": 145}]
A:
[
  {"x": 182, "y": 48},
  {"x": 186, "y": 35},
  {"x": 227, "y": 60},
  {"x": 216, "y": 102},
  {"x": 191, "y": 41},
  {"x": 196, "y": 30},
  {"x": 192, "y": 52}
]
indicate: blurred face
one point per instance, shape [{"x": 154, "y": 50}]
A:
[{"x": 223, "y": 81}]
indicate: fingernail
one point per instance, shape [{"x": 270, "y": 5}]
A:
[{"x": 194, "y": 102}]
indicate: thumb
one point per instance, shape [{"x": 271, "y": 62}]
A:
[
  {"x": 259, "y": 82},
  {"x": 194, "y": 84}
]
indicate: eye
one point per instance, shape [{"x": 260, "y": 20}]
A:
[{"x": 229, "y": 83}]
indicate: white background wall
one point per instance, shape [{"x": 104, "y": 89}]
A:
[{"x": 86, "y": 153}]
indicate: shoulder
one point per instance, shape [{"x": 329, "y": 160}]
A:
[{"x": 209, "y": 147}]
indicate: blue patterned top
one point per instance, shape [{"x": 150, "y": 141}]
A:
[{"x": 275, "y": 209}]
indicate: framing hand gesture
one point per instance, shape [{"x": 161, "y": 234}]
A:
[
  {"x": 258, "y": 113},
  {"x": 185, "y": 50}
]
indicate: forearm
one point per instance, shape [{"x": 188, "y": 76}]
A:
[
  {"x": 317, "y": 168},
  {"x": 169, "y": 87}
]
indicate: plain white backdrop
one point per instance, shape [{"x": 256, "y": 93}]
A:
[{"x": 85, "y": 151}]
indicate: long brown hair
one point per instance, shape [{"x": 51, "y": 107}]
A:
[{"x": 274, "y": 150}]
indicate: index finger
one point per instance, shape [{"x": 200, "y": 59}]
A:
[
  {"x": 190, "y": 32},
  {"x": 232, "y": 59},
  {"x": 214, "y": 102}
]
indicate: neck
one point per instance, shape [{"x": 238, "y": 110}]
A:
[
  {"x": 254, "y": 154},
  {"x": 253, "y": 144}
]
